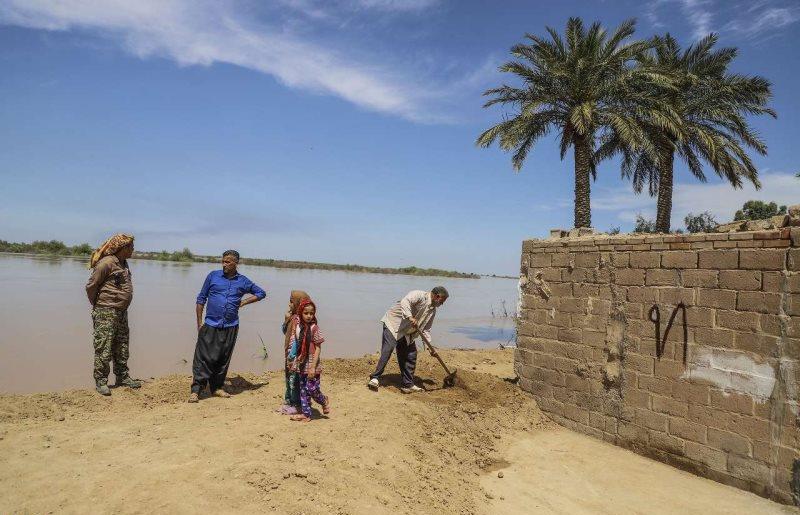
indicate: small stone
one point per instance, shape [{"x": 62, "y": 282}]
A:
[
  {"x": 61, "y": 418},
  {"x": 489, "y": 496},
  {"x": 500, "y": 474}
]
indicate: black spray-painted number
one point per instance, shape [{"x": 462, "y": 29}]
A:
[{"x": 655, "y": 317}]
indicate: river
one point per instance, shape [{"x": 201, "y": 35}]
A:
[{"x": 45, "y": 324}]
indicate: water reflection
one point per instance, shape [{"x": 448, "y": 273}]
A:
[{"x": 488, "y": 333}]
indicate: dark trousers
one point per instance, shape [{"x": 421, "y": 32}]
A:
[
  {"x": 212, "y": 355},
  {"x": 406, "y": 357}
]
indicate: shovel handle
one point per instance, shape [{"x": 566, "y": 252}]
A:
[{"x": 435, "y": 354}]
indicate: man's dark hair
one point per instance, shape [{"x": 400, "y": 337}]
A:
[
  {"x": 231, "y": 253},
  {"x": 440, "y": 290}
]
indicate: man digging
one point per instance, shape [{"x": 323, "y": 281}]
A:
[{"x": 401, "y": 324}]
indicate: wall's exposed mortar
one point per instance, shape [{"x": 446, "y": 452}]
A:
[{"x": 728, "y": 409}]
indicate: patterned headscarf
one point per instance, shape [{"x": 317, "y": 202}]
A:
[
  {"x": 294, "y": 299},
  {"x": 111, "y": 246},
  {"x": 306, "y": 329}
]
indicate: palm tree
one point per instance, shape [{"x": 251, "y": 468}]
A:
[
  {"x": 583, "y": 85},
  {"x": 711, "y": 105}
]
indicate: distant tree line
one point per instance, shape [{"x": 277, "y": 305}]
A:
[{"x": 58, "y": 248}]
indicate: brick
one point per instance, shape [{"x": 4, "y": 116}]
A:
[
  {"x": 714, "y": 337},
  {"x": 630, "y": 277},
  {"x": 679, "y": 259},
  {"x": 655, "y": 385},
  {"x": 741, "y": 236},
  {"x": 540, "y": 260},
  {"x": 757, "y": 343},
  {"x": 749, "y": 470},
  {"x": 642, "y": 294},
  {"x": 670, "y": 406},
  {"x": 793, "y": 304},
  {"x": 636, "y": 398},
  {"x": 631, "y": 433},
  {"x": 639, "y": 363},
  {"x": 773, "y": 282},
  {"x": 650, "y": 420},
  {"x": 725, "y": 299},
  {"x": 771, "y": 324},
  {"x": 621, "y": 259},
  {"x": 740, "y": 279},
  {"x": 661, "y": 277},
  {"x": 750, "y": 427},
  {"x": 729, "y": 442},
  {"x": 577, "y": 414},
  {"x": 587, "y": 259},
  {"x": 701, "y": 278},
  {"x": 669, "y": 368},
  {"x": 666, "y": 442},
  {"x": 758, "y": 302},
  {"x": 674, "y": 296},
  {"x": 732, "y": 402},
  {"x": 585, "y": 290},
  {"x": 713, "y": 458},
  {"x": 698, "y": 317},
  {"x": 793, "y": 260},
  {"x": 709, "y": 416},
  {"x": 645, "y": 259},
  {"x": 573, "y": 305},
  {"x": 719, "y": 259},
  {"x": 688, "y": 430},
  {"x": 691, "y": 392},
  {"x": 762, "y": 259},
  {"x": 738, "y": 320}
]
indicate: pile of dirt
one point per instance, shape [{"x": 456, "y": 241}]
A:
[{"x": 379, "y": 452}]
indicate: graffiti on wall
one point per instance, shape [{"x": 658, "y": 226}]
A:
[{"x": 655, "y": 317}]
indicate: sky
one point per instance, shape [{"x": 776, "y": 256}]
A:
[{"x": 337, "y": 131}]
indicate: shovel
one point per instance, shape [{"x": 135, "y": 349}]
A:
[{"x": 450, "y": 378}]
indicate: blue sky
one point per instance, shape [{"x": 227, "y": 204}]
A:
[{"x": 339, "y": 130}]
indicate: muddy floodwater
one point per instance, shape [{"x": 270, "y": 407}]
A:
[{"x": 45, "y": 326}]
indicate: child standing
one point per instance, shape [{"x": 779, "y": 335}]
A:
[
  {"x": 306, "y": 348},
  {"x": 291, "y": 397}
]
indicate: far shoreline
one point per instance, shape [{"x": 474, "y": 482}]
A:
[{"x": 281, "y": 264}]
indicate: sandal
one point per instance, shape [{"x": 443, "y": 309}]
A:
[
  {"x": 326, "y": 408},
  {"x": 300, "y": 418}
]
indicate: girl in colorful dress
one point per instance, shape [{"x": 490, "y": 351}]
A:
[
  {"x": 305, "y": 349},
  {"x": 291, "y": 397}
]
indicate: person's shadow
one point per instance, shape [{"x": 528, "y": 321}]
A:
[
  {"x": 396, "y": 380},
  {"x": 238, "y": 384}
]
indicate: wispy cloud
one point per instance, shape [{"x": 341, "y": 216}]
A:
[
  {"x": 719, "y": 199},
  {"x": 763, "y": 19},
  {"x": 205, "y": 32},
  {"x": 698, "y": 13},
  {"x": 748, "y": 19}
]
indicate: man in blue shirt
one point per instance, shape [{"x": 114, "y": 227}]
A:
[{"x": 221, "y": 296}]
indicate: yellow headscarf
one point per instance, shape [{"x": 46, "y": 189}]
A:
[{"x": 111, "y": 246}]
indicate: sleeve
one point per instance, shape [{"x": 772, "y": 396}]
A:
[
  {"x": 405, "y": 304},
  {"x": 99, "y": 275},
  {"x": 318, "y": 339},
  {"x": 203, "y": 295},
  {"x": 256, "y": 290},
  {"x": 426, "y": 331}
]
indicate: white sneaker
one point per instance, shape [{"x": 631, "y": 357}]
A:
[
  {"x": 373, "y": 384},
  {"x": 411, "y": 389}
]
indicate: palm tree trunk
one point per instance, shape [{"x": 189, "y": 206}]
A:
[
  {"x": 583, "y": 164},
  {"x": 664, "y": 206}
]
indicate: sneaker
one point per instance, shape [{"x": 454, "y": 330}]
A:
[
  {"x": 193, "y": 397},
  {"x": 102, "y": 389},
  {"x": 411, "y": 389},
  {"x": 373, "y": 384},
  {"x": 130, "y": 383}
]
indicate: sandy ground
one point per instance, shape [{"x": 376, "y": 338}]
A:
[{"x": 440, "y": 451}]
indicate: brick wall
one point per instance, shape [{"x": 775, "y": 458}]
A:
[{"x": 723, "y": 403}]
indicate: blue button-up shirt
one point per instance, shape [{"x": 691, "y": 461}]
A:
[{"x": 224, "y": 295}]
